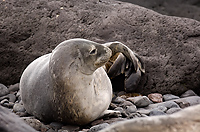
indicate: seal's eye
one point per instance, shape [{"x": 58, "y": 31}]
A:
[{"x": 93, "y": 52}]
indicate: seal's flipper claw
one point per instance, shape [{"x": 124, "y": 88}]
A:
[{"x": 117, "y": 67}]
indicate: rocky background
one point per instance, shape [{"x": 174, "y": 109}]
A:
[{"x": 169, "y": 46}]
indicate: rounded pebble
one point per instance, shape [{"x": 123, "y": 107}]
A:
[
  {"x": 3, "y": 90},
  {"x": 188, "y": 93},
  {"x": 140, "y": 101},
  {"x": 131, "y": 109},
  {"x": 156, "y": 112},
  {"x": 118, "y": 100},
  {"x": 98, "y": 127},
  {"x": 18, "y": 108},
  {"x": 168, "y": 97},
  {"x": 173, "y": 110}
]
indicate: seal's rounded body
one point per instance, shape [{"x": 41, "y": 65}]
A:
[{"x": 69, "y": 84}]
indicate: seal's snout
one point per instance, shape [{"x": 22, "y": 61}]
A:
[{"x": 104, "y": 56}]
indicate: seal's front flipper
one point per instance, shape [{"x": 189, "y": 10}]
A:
[{"x": 109, "y": 113}]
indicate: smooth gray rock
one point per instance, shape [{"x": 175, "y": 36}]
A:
[
  {"x": 188, "y": 93},
  {"x": 168, "y": 97},
  {"x": 140, "y": 101},
  {"x": 3, "y": 90},
  {"x": 131, "y": 109},
  {"x": 173, "y": 110},
  {"x": 18, "y": 108},
  {"x": 156, "y": 112},
  {"x": 118, "y": 100},
  {"x": 98, "y": 127}
]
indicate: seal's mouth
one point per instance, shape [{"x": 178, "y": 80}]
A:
[{"x": 104, "y": 58}]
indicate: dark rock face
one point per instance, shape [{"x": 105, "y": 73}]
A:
[
  {"x": 181, "y": 8},
  {"x": 170, "y": 46}
]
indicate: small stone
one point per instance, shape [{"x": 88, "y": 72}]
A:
[
  {"x": 171, "y": 104},
  {"x": 96, "y": 122},
  {"x": 155, "y": 97},
  {"x": 188, "y": 93},
  {"x": 11, "y": 97},
  {"x": 156, "y": 112},
  {"x": 70, "y": 128},
  {"x": 131, "y": 109},
  {"x": 143, "y": 111},
  {"x": 161, "y": 108},
  {"x": 140, "y": 101},
  {"x": 118, "y": 100},
  {"x": 126, "y": 103},
  {"x": 168, "y": 97},
  {"x": 18, "y": 108},
  {"x": 173, "y": 110},
  {"x": 56, "y": 125},
  {"x": 13, "y": 88},
  {"x": 35, "y": 123},
  {"x": 114, "y": 120},
  {"x": 3, "y": 90},
  {"x": 98, "y": 127}
]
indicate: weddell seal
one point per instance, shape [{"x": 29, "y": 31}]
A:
[{"x": 70, "y": 84}]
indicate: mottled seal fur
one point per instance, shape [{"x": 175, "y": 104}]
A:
[{"x": 70, "y": 85}]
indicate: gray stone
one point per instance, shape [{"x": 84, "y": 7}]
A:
[
  {"x": 143, "y": 111},
  {"x": 168, "y": 97},
  {"x": 12, "y": 98},
  {"x": 56, "y": 125},
  {"x": 70, "y": 128},
  {"x": 140, "y": 101},
  {"x": 118, "y": 100},
  {"x": 156, "y": 112},
  {"x": 188, "y": 93},
  {"x": 131, "y": 109},
  {"x": 13, "y": 88},
  {"x": 112, "y": 106},
  {"x": 125, "y": 104},
  {"x": 173, "y": 110},
  {"x": 18, "y": 108},
  {"x": 3, "y": 90},
  {"x": 35, "y": 123},
  {"x": 98, "y": 127}
]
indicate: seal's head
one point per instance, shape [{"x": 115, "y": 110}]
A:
[{"x": 83, "y": 54}]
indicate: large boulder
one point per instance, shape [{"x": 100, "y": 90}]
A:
[
  {"x": 181, "y": 8},
  {"x": 170, "y": 46}
]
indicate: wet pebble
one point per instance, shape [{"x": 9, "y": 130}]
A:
[
  {"x": 118, "y": 100},
  {"x": 156, "y": 112},
  {"x": 56, "y": 125},
  {"x": 18, "y": 108},
  {"x": 3, "y": 90},
  {"x": 168, "y": 97},
  {"x": 13, "y": 88},
  {"x": 188, "y": 93},
  {"x": 140, "y": 101},
  {"x": 173, "y": 110},
  {"x": 98, "y": 127},
  {"x": 131, "y": 109}
]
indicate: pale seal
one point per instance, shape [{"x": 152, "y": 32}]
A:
[{"x": 70, "y": 85}]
